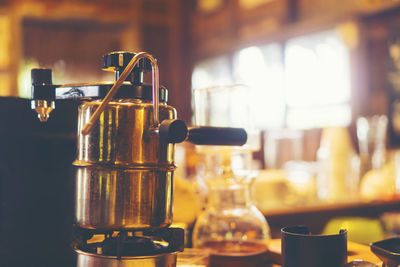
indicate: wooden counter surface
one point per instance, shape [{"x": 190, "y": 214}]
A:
[
  {"x": 354, "y": 252},
  {"x": 198, "y": 258}
]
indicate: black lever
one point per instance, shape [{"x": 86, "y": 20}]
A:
[
  {"x": 220, "y": 136},
  {"x": 175, "y": 131}
]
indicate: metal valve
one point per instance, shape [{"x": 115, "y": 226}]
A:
[
  {"x": 118, "y": 61},
  {"x": 43, "y": 93}
]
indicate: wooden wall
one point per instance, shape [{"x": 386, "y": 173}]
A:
[
  {"x": 237, "y": 23},
  {"x": 79, "y": 32}
]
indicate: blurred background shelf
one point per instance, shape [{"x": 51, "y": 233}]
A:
[{"x": 317, "y": 216}]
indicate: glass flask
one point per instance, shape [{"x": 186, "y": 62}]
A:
[{"x": 231, "y": 226}]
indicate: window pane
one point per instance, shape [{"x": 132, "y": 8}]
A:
[
  {"x": 317, "y": 70},
  {"x": 211, "y": 72},
  {"x": 261, "y": 68},
  {"x": 305, "y": 118},
  {"x": 224, "y": 106},
  {"x": 211, "y": 93},
  {"x": 304, "y": 84}
]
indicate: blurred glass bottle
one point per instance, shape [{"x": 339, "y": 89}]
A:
[
  {"x": 371, "y": 135},
  {"x": 281, "y": 146},
  {"x": 338, "y": 166}
]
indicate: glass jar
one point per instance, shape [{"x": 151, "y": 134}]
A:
[{"x": 231, "y": 226}]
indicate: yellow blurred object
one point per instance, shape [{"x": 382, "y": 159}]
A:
[
  {"x": 5, "y": 41},
  {"x": 251, "y": 4},
  {"x": 359, "y": 230},
  {"x": 350, "y": 34},
  {"x": 271, "y": 189},
  {"x": 186, "y": 202},
  {"x": 379, "y": 183},
  {"x": 337, "y": 139}
]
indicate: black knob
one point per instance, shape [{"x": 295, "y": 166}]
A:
[
  {"x": 173, "y": 131},
  {"x": 41, "y": 76},
  {"x": 117, "y": 61}
]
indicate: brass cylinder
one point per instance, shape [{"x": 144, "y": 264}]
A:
[{"x": 124, "y": 172}]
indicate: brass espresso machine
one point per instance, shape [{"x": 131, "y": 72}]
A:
[{"x": 125, "y": 162}]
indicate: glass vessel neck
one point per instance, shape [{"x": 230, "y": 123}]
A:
[{"x": 229, "y": 196}]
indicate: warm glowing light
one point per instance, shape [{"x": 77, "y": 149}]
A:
[
  {"x": 317, "y": 75},
  {"x": 212, "y": 72},
  {"x": 303, "y": 84},
  {"x": 262, "y": 70}
]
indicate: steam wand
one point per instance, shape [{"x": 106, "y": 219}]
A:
[{"x": 155, "y": 87}]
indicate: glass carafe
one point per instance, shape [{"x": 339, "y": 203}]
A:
[{"x": 231, "y": 226}]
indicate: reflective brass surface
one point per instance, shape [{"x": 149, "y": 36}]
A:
[
  {"x": 123, "y": 135},
  {"x": 123, "y": 198},
  {"x": 87, "y": 127},
  {"x": 162, "y": 260},
  {"x": 43, "y": 108},
  {"x": 124, "y": 173}
]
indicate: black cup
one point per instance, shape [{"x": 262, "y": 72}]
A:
[{"x": 302, "y": 249}]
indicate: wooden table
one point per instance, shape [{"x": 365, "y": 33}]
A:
[
  {"x": 198, "y": 257},
  {"x": 354, "y": 251}
]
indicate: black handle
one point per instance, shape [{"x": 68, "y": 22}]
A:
[{"x": 220, "y": 136}]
